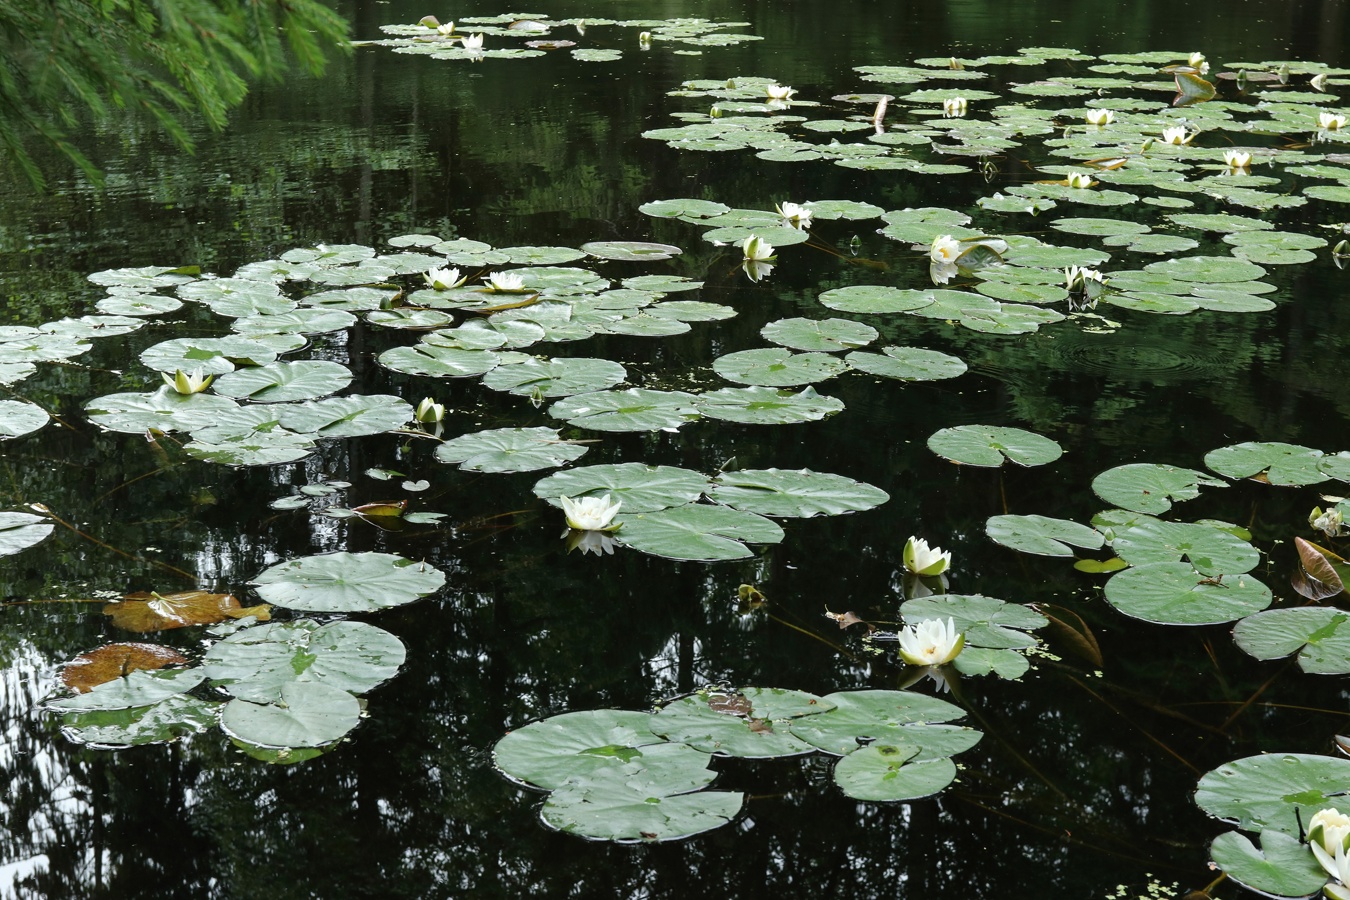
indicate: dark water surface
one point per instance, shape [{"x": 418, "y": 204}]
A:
[{"x": 1083, "y": 779}]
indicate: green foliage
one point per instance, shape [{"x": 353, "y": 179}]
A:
[{"x": 65, "y": 57}]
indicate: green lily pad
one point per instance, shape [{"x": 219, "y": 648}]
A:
[
  {"x": 880, "y": 772},
  {"x": 19, "y": 531},
  {"x": 774, "y": 367},
  {"x": 555, "y": 377},
  {"x": 540, "y": 256},
  {"x": 988, "y": 445},
  {"x": 869, "y": 298},
  {"x": 301, "y": 321},
  {"x": 257, "y": 663},
  {"x": 824, "y": 335},
  {"x": 907, "y": 364},
  {"x": 763, "y": 732},
  {"x": 1273, "y": 792},
  {"x": 641, "y": 488},
  {"x": 236, "y": 297},
  {"x": 347, "y": 582},
  {"x": 284, "y": 382},
  {"x": 135, "y": 689},
  {"x": 1283, "y": 867},
  {"x": 212, "y": 356},
  {"x": 1041, "y": 535},
  {"x": 308, "y": 715},
  {"x": 613, "y": 743},
  {"x": 985, "y": 621},
  {"x": 177, "y": 716},
  {"x": 19, "y": 418},
  {"x": 1007, "y": 664},
  {"x": 1174, "y": 593},
  {"x": 761, "y": 405},
  {"x": 614, "y": 812},
  {"x": 1212, "y": 551},
  {"x": 1316, "y": 633},
  {"x": 692, "y": 311},
  {"x": 509, "y": 450},
  {"x": 1206, "y": 269},
  {"x": 162, "y": 410},
  {"x": 352, "y": 416},
  {"x": 1272, "y": 462},
  {"x": 899, "y": 718},
  {"x": 254, "y": 449},
  {"x": 794, "y": 494},
  {"x": 1150, "y": 487},
  {"x": 697, "y": 532},
  {"x": 447, "y": 362},
  {"x": 695, "y": 209},
  {"x": 636, "y": 409}
]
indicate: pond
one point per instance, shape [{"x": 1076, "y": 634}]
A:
[{"x": 1124, "y": 471}]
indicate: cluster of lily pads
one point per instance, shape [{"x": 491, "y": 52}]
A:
[
  {"x": 632, "y": 776},
  {"x": 282, "y": 691},
  {"x": 478, "y": 37}
]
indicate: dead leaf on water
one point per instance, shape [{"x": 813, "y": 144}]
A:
[
  {"x": 112, "y": 661},
  {"x": 152, "y": 611}
]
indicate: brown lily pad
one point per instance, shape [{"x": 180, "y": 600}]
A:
[
  {"x": 111, "y": 661},
  {"x": 152, "y": 611}
]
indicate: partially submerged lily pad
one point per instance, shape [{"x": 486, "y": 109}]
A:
[
  {"x": 347, "y": 582},
  {"x": 989, "y": 445}
]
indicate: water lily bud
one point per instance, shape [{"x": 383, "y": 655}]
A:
[
  {"x": 1319, "y": 82},
  {"x": 1341, "y": 248},
  {"x": 730, "y": 85},
  {"x": 714, "y": 113},
  {"x": 1147, "y": 146},
  {"x": 1283, "y": 73},
  {"x": 429, "y": 411},
  {"x": 921, "y": 559},
  {"x": 645, "y": 39},
  {"x": 954, "y": 63}
]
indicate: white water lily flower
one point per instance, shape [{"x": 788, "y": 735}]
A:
[
  {"x": 1331, "y": 121},
  {"x": 756, "y": 249},
  {"x": 505, "y": 283},
  {"x": 1076, "y": 276},
  {"x": 1331, "y": 523},
  {"x": 184, "y": 383},
  {"x": 944, "y": 249},
  {"x": 1100, "y": 116},
  {"x": 1237, "y": 159},
  {"x": 446, "y": 30},
  {"x": 931, "y": 643},
  {"x": 1319, "y": 82},
  {"x": 1337, "y": 866},
  {"x": 1330, "y": 829},
  {"x": 429, "y": 411},
  {"x": 591, "y": 513},
  {"x": 954, "y": 107},
  {"x": 443, "y": 279},
  {"x": 942, "y": 273},
  {"x": 473, "y": 43},
  {"x": 1197, "y": 61},
  {"x": 1176, "y": 135},
  {"x": 921, "y": 559},
  {"x": 780, "y": 92},
  {"x": 797, "y": 216},
  {"x": 1080, "y": 180}
]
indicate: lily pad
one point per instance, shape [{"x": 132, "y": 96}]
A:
[
  {"x": 989, "y": 445},
  {"x": 1212, "y": 551},
  {"x": 175, "y": 717},
  {"x": 826, "y": 335},
  {"x": 19, "y": 531},
  {"x": 794, "y": 494},
  {"x": 1174, "y": 593},
  {"x": 347, "y": 582},
  {"x": 759, "y": 732},
  {"x": 636, "y": 409},
  {"x": 555, "y": 377},
  {"x": 284, "y": 382},
  {"x": 1317, "y": 633},
  {"x": 161, "y": 410},
  {"x": 868, "y": 298},
  {"x": 1283, "y": 867},
  {"x": 907, "y": 364},
  {"x": 135, "y": 689},
  {"x": 1149, "y": 487},
  {"x": 309, "y": 714},
  {"x": 697, "y": 532},
  {"x": 881, "y": 772},
  {"x": 353, "y": 416},
  {"x": 615, "y": 812},
  {"x": 985, "y": 621},
  {"x": 1275, "y": 792},
  {"x": 775, "y": 367},
  {"x": 1272, "y": 462},
  {"x": 510, "y": 450},
  {"x": 258, "y": 663},
  {"x": 1041, "y": 535},
  {"x": 899, "y": 718},
  {"x": 641, "y": 488},
  {"x": 631, "y": 251},
  {"x": 761, "y": 405}
]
